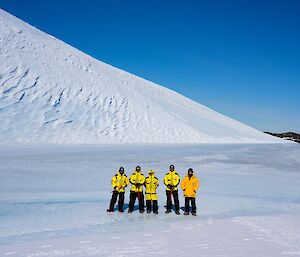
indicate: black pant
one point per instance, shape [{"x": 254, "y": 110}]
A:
[
  {"x": 149, "y": 205},
  {"x": 187, "y": 204},
  {"x": 169, "y": 200},
  {"x": 133, "y": 196},
  {"x": 114, "y": 200}
]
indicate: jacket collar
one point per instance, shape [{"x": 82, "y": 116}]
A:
[{"x": 193, "y": 176}]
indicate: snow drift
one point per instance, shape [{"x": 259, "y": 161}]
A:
[{"x": 51, "y": 92}]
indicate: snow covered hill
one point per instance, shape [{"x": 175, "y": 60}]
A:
[{"x": 51, "y": 92}]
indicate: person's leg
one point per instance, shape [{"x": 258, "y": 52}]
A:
[
  {"x": 148, "y": 205},
  {"x": 113, "y": 201},
  {"x": 193, "y": 200},
  {"x": 132, "y": 198},
  {"x": 141, "y": 202},
  {"x": 176, "y": 200},
  {"x": 121, "y": 201},
  {"x": 169, "y": 200},
  {"x": 155, "y": 206},
  {"x": 187, "y": 205}
]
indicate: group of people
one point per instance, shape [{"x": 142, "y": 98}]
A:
[{"x": 138, "y": 181}]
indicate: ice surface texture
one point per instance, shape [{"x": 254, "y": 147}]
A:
[{"x": 53, "y": 201}]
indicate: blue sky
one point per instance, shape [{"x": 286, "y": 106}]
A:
[{"x": 240, "y": 58}]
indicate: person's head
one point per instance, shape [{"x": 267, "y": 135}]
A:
[
  {"x": 121, "y": 170},
  {"x": 138, "y": 168},
  {"x": 172, "y": 168},
  {"x": 190, "y": 172},
  {"x": 151, "y": 172}
]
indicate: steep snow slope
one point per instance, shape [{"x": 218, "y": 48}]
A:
[{"x": 51, "y": 92}]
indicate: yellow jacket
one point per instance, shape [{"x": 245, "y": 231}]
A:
[
  {"x": 119, "y": 182},
  {"x": 151, "y": 183},
  {"x": 189, "y": 186},
  {"x": 172, "y": 179},
  {"x": 137, "y": 180}
]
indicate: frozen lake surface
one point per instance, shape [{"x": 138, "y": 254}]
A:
[{"x": 54, "y": 201}]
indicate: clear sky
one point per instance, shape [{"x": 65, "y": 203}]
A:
[{"x": 240, "y": 58}]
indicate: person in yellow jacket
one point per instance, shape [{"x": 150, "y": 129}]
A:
[
  {"x": 137, "y": 180},
  {"x": 119, "y": 182},
  {"x": 172, "y": 180},
  {"x": 189, "y": 185},
  {"x": 151, "y": 183}
]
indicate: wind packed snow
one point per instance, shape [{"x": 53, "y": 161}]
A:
[
  {"x": 51, "y": 92},
  {"x": 53, "y": 201}
]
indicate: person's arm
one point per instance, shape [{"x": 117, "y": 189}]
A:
[
  {"x": 126, "y": 181},
  {"x": 183, "y": 184},
  {"x": 114, "y": 182},
  {"x": 178, "y": 180},
  {"x": 145, "y": 182},
  {"x": 142, "y": 180},
  {"x": 166, "y": 180},
  {"x": 197, "y": 184},
  {"x": 131, "y": 180},
  {"x": 157, "y": 182}
]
